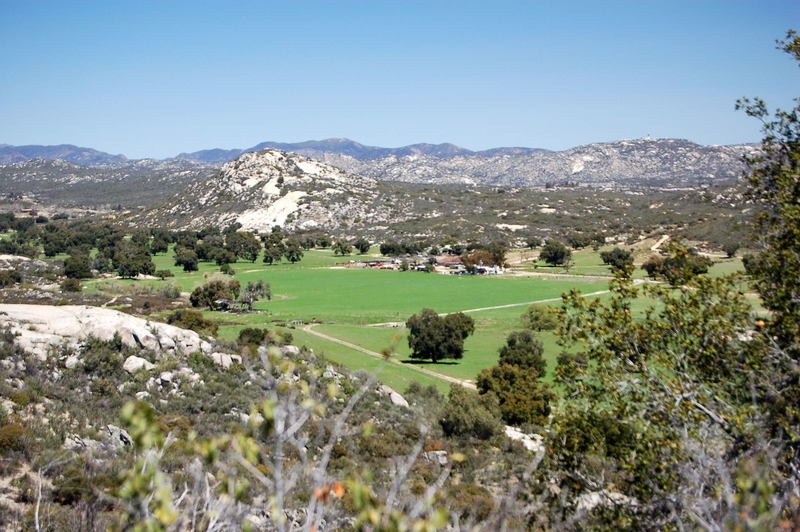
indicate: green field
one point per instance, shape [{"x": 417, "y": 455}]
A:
[{"x": 344, "y": 302}]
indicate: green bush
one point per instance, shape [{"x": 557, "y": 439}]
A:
[
  {"x": 540, "y": 318},
  {"x": 13, "y": 437},
  {"x": 194, "y": 320},
  {"x": 524, "y": 351},
  {"x": 103, "y": 359},
  {"x": 71, "y": 285},
  {"x": 163, "y": 274},
  {"x": 10, "y": 278},
  {"x": 78, "y": 266},
  {"x": 522, "y": 398},
  {"x": 469, "y": 414},
  {"x": 252, "y": 336},
  {"x": 21, "y": 397}
]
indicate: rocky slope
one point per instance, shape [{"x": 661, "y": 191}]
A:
[
  {"x": 43, "y": 328},
  {"x": 270, "y": 187},
  {"x": 130, "y": 183},
  {"x": 623, "y": 163},
  {"x": 620, "y": 164},
  {"x": 657, "y": 162}
]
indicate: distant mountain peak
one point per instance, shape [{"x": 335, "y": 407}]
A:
[{"x": 67, "y": 152}]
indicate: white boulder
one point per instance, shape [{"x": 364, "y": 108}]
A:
[
  {"x": 133, "y": 364},
  {"x": 394, "y": 397},
  {"x": 532, "y": 442},
  {"x": 42, "y": 328}
]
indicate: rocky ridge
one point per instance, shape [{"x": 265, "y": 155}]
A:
[{"x": 622, "y": 163}]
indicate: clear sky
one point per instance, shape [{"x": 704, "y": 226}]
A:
[{"x": 148, "y": 78}]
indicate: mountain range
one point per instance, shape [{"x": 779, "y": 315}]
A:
[
  {"x": 311, "y": 148},
  {"x": 65, "y": 152},
  {"x": 351, "y": 148},
  {"x": 647, "y": 162}
]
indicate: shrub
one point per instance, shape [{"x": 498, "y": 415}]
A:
[
  {"x": 617, "y": 258},
  {"x": 102, "y": 359},
  {"x": 13, "y": 437},
  {"x": 194, "y": 320},
  {"x": 524, "y": 351},
  {"x": 163, "y": 274},
  {"x": 252, "y": 336},
  {"x": 9, "y": 278},
  {"x": 522, "y": 398},
  {"x": 71, "y": 285},
  {"x": 540, "y": 318},
  {"x": 170, "y": 290},
  {"x": 469, "y": 414},
  {"x": 21, "y": 397}
]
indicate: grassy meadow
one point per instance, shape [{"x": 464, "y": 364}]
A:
[{"x": 347, "y": 303}]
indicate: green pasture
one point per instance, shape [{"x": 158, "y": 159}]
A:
[
  {"x": 585, "y": 262},
  {"x": 344, "y": 301},
  {"x": 374, "y": 296},
  {"x": 480, "y": 349}
]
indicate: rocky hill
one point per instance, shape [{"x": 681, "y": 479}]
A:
[
  {"x": 671, "y": 163},
  {"x": 271, "y": 187},
  {"x": 623, "y": 163}
]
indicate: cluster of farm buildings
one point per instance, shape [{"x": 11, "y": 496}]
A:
[{"x": 445, "y": 264}]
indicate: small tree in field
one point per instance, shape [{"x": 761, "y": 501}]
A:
[
  {"x": 730, "y": 249},
  {"x": 555, "y": 253},
  {"x": 361, "y": 244},
  {"x": 254, "y": 291},
  {"x": 186, "y": 258},
  {"x": 294, "y": 250},
  {"x": 435, "y": 337},
  {"x": 617, "y": 258},
  {"x": 533, "y": 241},
  {"x": 540, "y": 318},
  {"x": 341, "y": 247}
]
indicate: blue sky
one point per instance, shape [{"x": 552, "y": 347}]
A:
[{"x": 156, "y": 78}]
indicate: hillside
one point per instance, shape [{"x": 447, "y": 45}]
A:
[
  {"x": 270, "y": 187},
  {"x": 623, "y": 163},
  {"x": 129, "y": 183},
  {"x": 672, "y": 163}
]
